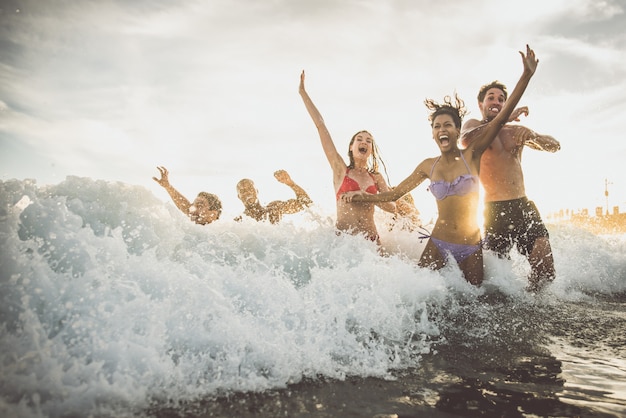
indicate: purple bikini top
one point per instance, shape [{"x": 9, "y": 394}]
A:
[{"x": 462, "y": 185}]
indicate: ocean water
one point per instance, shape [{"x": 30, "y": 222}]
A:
[{"x": 114, "y": 304}]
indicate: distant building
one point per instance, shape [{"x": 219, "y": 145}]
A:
[{"x": 601, "y": 223}]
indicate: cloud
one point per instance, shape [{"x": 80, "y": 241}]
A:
[{"x": 113, "y": 88}]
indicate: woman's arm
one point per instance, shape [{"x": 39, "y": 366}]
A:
[
  {"x": 471, "y": 128},
  {"x": 334, "y": 158},
  {"x": 411, "y": 182},
  {"x": 179, "y": 200},
  {"x": 382, "y": 188}
]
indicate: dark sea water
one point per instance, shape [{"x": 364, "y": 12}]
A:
[
  {"x": 113, "y": 304},
  {"x": 532, "y": 363}
]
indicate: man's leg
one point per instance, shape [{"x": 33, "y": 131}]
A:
[
  {"x": 498, "y": 231},
  {"x": 541, "y": 264}
]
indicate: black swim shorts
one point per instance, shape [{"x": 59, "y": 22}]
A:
[{"x": 511, "y": 222}]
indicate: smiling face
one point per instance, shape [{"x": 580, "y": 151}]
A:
[
  {"x": 492, "y": 103},
  {"x": 445, "y": 132},
  {"x": 361, "y": 146},
  {"x": 246, "y": 192}
]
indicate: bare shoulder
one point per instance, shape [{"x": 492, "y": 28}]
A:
[
  {"x": 378, "y": 177},
  {"x": 471, "y": 123},
  {"x": 469, "y": 131},
  {"x": 380, "y": 182},
  {"x": 425, "y": 167}
]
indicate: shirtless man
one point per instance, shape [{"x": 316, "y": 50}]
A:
[
  {"x": 274, "y": 211},
  {"x": 510, "y": 218},
  {"x": 205, "y": 209}
]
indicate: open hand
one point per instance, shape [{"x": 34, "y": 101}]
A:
[
  {"x": 517, "y": 113},
  {"x": 530, "y": 62},
  {"x": 164, "y": 180},
  {"x": 282, "y": 176}
]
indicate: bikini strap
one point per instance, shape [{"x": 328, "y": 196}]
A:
[
  {"x": 433, "y": 167},
  {"x": 423, "y": 234},
  {"x": 466, "y": 166}
]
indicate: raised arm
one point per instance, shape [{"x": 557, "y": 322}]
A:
[
  {"x": 470, "y": 128},
  {"x": 489, "y": 131},
  {"x": 302, "y": 199},
  {"x": 337, "y": 163},
  {"x": 179, "y": 200}
]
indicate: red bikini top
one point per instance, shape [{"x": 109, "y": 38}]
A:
[{"x": 350, "y": 185}]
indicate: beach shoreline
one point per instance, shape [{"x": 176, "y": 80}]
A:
[{"x": 507, "y": 379}]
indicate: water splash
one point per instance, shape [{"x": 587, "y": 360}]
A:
[{"x": 111, "y": 299}]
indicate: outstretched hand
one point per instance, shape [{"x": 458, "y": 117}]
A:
[
  {"x": 529, "y": 60},
  {"x": 164, "y": 180},
  {"x": 350, "y": 196},
  {"x": 517, "y": 113}
]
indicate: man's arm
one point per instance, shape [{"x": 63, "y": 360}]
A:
[
  {"x": 541, "y": 142},
  {"x": 491, "y": 129},
  {"x": 179, "y": 200},
  {"x": 525, "y": 136},
  {"x": 301, "y": 196},
  {"x": 302, "y": 200},
  {"x": 469, "y": 129}
]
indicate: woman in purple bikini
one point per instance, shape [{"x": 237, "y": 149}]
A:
[
  {"x": 360, "y": 174},
  {"x": 454, "y": 181}
]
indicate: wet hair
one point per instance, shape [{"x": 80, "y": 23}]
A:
[
  {"x": 214, "y": 202},
  {"x": 456, "y": 110},
  {"x": 375, "y": 158},
  {"x": 493, "y": 85},
  {"x": 244, "y": 183}
]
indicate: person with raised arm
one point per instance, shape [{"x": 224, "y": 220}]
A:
[
  {"x": 510, "y": 218},
  {"x": 273, "y": 211},
  {"x": 454, "y": 181},
  {"x": 361, "y": 173},
  {"x": 206, "y": 207}
]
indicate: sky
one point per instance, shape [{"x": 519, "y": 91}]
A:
[{"x": 110, "y": 89}]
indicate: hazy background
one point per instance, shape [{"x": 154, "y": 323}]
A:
[{"x": 209, "y": 89}]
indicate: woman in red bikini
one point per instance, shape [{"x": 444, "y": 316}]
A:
[
  {"x": 454, "y": 181},
  {"x": 361, "y": 174}
]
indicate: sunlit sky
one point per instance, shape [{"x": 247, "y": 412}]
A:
[{"x": 109, "y": 89}]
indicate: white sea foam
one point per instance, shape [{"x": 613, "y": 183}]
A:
[{"x": 112, "y": 298}]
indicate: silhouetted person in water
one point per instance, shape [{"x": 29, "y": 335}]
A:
[
  {"x": 205, "y": 209},
  {"x": 274, "y": 210}
]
